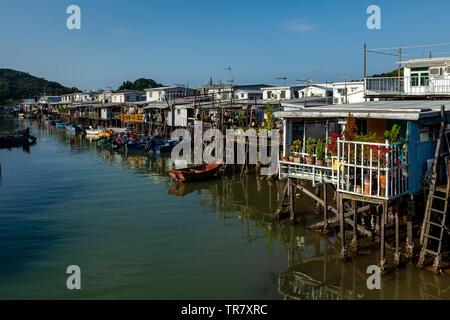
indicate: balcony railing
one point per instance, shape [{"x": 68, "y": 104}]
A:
[
  {"x": 373, "y": 170},
  {"x": 311, "y": 172},
  {"x": 376, "y": 170},
  {"x": 407, "y": 86}
]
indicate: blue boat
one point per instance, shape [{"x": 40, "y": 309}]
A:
[
  {"x": 72, "y": 128},
  {"x": 166, "y": 147},
  {"x": 135, "y": 146},
  {"x": 60, "y": 125}
]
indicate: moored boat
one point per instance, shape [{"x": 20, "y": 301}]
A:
[
  {"x": 93, "y": 132},
  {"x": 72, "y": 128},
  {"x": 197, "y": 173}
]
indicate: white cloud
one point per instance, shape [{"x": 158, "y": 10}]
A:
[{"x": 297, "y": 25}]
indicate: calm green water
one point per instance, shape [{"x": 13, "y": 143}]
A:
[{"x": 137, "y": 235}]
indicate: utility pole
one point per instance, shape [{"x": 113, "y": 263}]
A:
[
  {"x": 365, "y": 70},
  {"x": 345, "y": 90},
  {"x": 399, "y": 66}
]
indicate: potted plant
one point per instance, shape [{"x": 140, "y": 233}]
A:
[
  {"x": 380, "y": 155},
  {"x": 333, "y": 148},
  {"x": 310, "y": 146},
  {"x": 295, "y": 148},
  {"x": 320, "y": 153}
]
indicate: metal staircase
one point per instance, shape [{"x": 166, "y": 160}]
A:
[{"x": 433, "y": 226}]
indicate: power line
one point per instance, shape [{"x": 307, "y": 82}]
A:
[{"x": 418, "y": 46}]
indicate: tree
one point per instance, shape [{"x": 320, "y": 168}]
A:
[{"x": 140, "y": 84}]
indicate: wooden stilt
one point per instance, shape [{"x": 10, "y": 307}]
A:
[
  {"x": 382, "y": 244},
  {"x": 343, "y": 254},
  {"x": 292, "y": 189},
  {"x": 397, "y": 236},
  {"x": 355, "y": 225},
  {"x": 317, "y": 208},
  {"x": 325, "y": 208}
]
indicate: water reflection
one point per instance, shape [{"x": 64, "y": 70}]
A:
[{"x": 312, "y": 269}]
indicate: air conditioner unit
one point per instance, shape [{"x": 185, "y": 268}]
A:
[
  {"x": 435, "y": 71},
  {"x": 447, "y": 69}
]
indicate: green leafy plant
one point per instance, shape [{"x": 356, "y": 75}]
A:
[
  {"x": 320, "y": 152},
  {"x": 393, "y": 135},
  {"x": 296, "y": 145},
  {"x": 310, "y": 146},
  {"x": 268, "y": 125}
]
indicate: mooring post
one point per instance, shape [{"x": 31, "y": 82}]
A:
[
  {"x": 409, "y": 228},
  {"x": 343, "y": 254},
  {"x": 382, "y": 248},
  {"x": 355, "y": 225},
  {"x": 397, "y": 236},
  {"x": 292, "y": 188},
  {"x": 325, "y": 208},
  {"x": 317, "y": 193}
]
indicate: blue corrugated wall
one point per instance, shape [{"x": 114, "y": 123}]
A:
[{"x": 418, "y": 154}]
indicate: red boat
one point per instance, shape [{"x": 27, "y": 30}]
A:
[{"x": 197, "y": 173}]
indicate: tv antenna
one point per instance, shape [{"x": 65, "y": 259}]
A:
[
  {"x": 306, "y": 81},
  {"x": 284, "y": 80},
  {"x": 231, "y": 75}
]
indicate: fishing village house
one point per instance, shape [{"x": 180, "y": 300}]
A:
[
  {"x": 168, "y": 93},
  {"x": 378, "y": 174},
  {"x": 281, "y": 93},
  {"x": 79, "y": 97},
  {"x": 316, "y": 90},
  {"x": 349, "y": 92},
  {"x": 422, "y": 78},
  {"x": 123, "y": 96}
]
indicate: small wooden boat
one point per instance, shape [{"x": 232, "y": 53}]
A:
[{"x": 197, "y": 173}]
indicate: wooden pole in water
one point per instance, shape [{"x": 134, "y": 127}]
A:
[
  {"x": 397, "y": 236},
  {"x": 343, "y": 254},
  {"x": 355, "y": 229},
  {"x": 382, "y": 247},
  {"x": 325, "y": 208},
  {"x": 317, "y": 208}
]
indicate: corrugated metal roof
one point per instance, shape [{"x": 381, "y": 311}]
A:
[{"x": 406, "y": 110}]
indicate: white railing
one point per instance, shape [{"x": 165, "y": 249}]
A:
[
  {"x": 312, "y": 172},
  {"x": 375, "y": 170},
  {"x": 407, "y": 86}
]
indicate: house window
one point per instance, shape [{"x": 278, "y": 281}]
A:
[
  {"x": 283, "y": 95},
  {"x": 178, "y": 111},
  {"x": 414, "y": 80},
  {"x": 424, "y": 79}
]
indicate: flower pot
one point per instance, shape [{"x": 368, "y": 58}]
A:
[
  {"x": 291, "y": 158},
  {"x": 309, "y": 160},
  {"x": 367, "y": 190},
  {"x": 358, "y": 189},
  {"x": 330, "y": 162},
  {"x": 320, "y": 163},
  {"x": 297, "y": 159},
  {"x": 382, "y": 178}
]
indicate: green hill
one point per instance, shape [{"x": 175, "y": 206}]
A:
[
  {"x": 17, "y": 85},
  {"x": 140, "y": 84}
]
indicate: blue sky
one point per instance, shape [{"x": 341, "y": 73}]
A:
[{"x": 189, "y": 41}]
